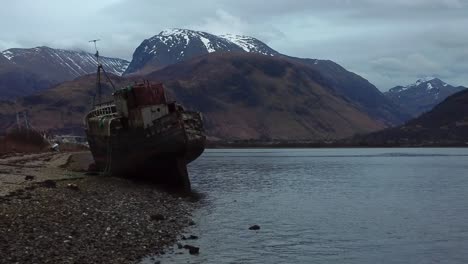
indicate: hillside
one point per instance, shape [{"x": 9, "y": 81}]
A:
[
  {"x": 246, "y": 96},
  {"x": 17, "y": 81},
  {"x": 59, "y": 109},
  {"x": 357, "y": 90}
]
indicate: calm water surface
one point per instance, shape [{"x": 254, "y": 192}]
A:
[{"x": 330, "y": 206}]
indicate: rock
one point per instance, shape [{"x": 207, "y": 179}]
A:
[
  {"x": 73, "y": 186},
  {"x": 29, "y": 178},
  {"x": 192, "y": 249},
  {"x": 49, "y": 184},
  {"x": 191, "y": 237},
  {"x": 157, "y": 217},
  {"x": 179, "y": 246},
  {"x": 191, "y": 223},
  {"x": 254, "y": 227}
]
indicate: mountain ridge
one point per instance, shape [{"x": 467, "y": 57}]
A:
[
  {"x": 422, "y": 95},
  {"x": 60, "y": 64}
]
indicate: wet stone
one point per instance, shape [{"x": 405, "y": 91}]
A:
[
  {"x": 192, "y": 249},
  {"x": 73, "y": 187},
  {"x": 157, "y": 217},
  {"x": 29, "y": 178},
  {"x": 254, "y": 227},
  {"x": 48, "y": 184}
]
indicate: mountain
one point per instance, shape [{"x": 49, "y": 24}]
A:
[
  {"x": 422, "y": 95},
  {"x": 241, "y": 96},
  {"x": 357, "y": 90},
  {"x": 445, "y": 124},
  {"x": 58, "y": 65},
  {"x": 16, "y": 81},
  {"x": 251, "y": 96},
  {"x": 176, "y": 45}
]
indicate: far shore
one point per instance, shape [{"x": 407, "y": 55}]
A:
[{"x": 337, "y": 144}]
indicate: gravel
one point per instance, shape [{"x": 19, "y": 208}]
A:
[{"x": 94, "y": 219}]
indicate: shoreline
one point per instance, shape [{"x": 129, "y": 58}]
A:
[
  {"x": 319, "y": 146},
  {"x": 54, "y": 215}
]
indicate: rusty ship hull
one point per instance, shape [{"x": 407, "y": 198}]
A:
[
  {"x": 140, "y": 135},
  {"x": 159, "y": 152}
]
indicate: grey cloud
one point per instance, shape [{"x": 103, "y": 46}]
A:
[
  {"x": 414, "y": 63},
  {"x": 388, "y": 42}
]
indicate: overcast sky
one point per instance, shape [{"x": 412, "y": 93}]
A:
[{"x": 389, "y": 42}]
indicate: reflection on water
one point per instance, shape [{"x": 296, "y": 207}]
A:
[{"x": 331, "y": 206}]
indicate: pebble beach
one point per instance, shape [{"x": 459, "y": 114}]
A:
[{"x": 52, "y": 212}]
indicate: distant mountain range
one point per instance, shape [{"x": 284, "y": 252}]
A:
[
  {"x": 445, "y": 124},
  {"x": 245, "y": 89},
  {"x": 252, "y": 96},
  {"x": 24, "y": 71},
  {"x": 423, "y": 95}
]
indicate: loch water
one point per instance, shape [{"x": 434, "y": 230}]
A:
[{"x": 361, "y": 206}]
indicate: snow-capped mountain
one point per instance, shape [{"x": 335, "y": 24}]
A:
[
  {"x": 175, "y": 45},
  {"x": 423, "y": 95},
  {"x": 60, "y": 65}
]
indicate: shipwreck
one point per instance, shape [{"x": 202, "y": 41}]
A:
[{"x": 140, "y": 133}]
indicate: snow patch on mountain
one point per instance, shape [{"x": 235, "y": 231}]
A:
[
  {"x": 424, "y": 80},
  {"x": 248, "y": 44},
  {"x": 428, "y": 82},
  {"x": 8, "y": 54},
  {"x": 207, "y": 44}
]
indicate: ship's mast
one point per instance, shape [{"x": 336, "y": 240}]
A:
[{"x": 98, "y": 75}]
